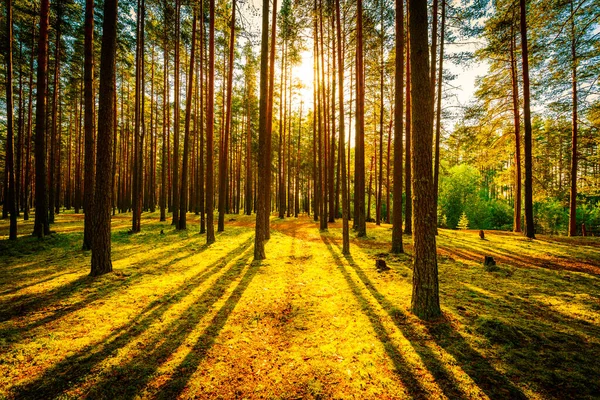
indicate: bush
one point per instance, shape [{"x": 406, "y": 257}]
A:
[
  {"x": 550, "y": 217},
  {"x": 500, "y": 215}
]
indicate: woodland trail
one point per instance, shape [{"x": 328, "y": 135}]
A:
[{"x": 180, "y": 319}]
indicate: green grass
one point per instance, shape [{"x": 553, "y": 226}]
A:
[{"x": 178, "y": 318}]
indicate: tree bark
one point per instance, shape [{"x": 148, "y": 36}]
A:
[
  {"x": 41, "y": 225},
  {"x": 359, "y": 184},
  {"x": 175, "y": 167},
  {"x": 529, "y": 228},
  {"x": 574, "y": 155},
  {"x": 342, "y": 152},
  {"x": 425, "y": 295},
  {"x": 224, "y": 149},
  {"x": 438, "y": 112},
  {"x": 397, "y": 246},
  {"x": 517, "y": 124},
  {"x": 11, "y": 200},
  {"x": 408, "y": 134},
  {"x": 210, "y": 128},
  {"x": 101, "y": 243},
  {"x": 52, "y": 172},
  {"x": 263, "y": 154},
  {"x": 182, "y": 223}
]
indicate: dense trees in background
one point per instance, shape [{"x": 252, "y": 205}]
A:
[{"x": 340, "y": 109}]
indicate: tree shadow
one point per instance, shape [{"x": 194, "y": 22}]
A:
[
  {"x": 410, "y": 380},
  {"x": 189, "y": 365},
  {"x": 554, "y": 352},
  {"x": 55, "y": 298},
  {"x": 494, "y": 384},
  {"x": 75, "y": 368}
]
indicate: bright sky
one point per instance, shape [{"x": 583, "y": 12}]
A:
[{"x": 461, "y": 89}]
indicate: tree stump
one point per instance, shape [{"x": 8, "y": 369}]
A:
[
  {"x": 381, "y": 266},
  {"x": 583, "y": 230},
  {"x": 481, "y": 234},
  {"x": 489, "y": 261}
]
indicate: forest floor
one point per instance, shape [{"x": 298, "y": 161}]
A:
[{"x": 178, "y": 318}]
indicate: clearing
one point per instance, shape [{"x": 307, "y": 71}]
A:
[{"x": 180, "y": 319}]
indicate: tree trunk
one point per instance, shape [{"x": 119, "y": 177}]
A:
[
  {"x": 52, "y": 172},
  {"x": 210, "y": 128},
  {"x": 425, "y": 295},
  {"x": 408, "y": 133},
  {"x": 438, "y": 115},
  {"x": 529, "y": 228},
  {"x": 342, "y": 152},
  {"x": 225, "y": 147},
  {"x": 27, "y": 188},
  {"x": 175, "y": 167},
  {"x": 262, "y": 207},
  {"x": 517, "y": 124},
  {"x": 101, "y": 252},
  {"x": 165, "y": 127},
  {"x": 88, "y": 125},
  {"x": 186, "y": 141},
  {"x": 11, "y": 201},
  {"x": 41, "y": 225},
  {"x": 359, "y": 184},
  {"x": 574, "y": 156},
  {"x": 397, "y": 246}
]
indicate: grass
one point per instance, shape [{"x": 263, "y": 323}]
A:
[{"x": 178, "y": 318}]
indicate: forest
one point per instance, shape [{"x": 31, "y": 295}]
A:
[{"x": 300, "y": 199}]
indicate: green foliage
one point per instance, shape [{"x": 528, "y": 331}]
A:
[{"x": 463, "y": 222}]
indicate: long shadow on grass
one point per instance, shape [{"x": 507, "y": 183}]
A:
[
  {"x": 410, "y": 380},
  {"x": 190, "y": 364},
  {"x": 75, "y": 369},
  {"x": 88, "y": 288},
  {"x": 493, "y": 383},
  {"x": 537, "y": 344},
  {"x": 132, "y": 376}
]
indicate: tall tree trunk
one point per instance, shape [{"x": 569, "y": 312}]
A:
[
  {"x": 425, "y": 295},
  {"x": 52, "y": 172},
  {"x": 165, "y": 124},
  {"x": 18, "y": 158},
  {"x": 342, "y": 152},
  {"x": 210, "y": 128},
  {"x": 27, "y": 189},
  {"x": 225, "y": 147},
  {"x": 186, "y": 141},
  {"x": 11, "y": 201},
  {"x": 282, "y": 116},
  {"x": 408, "y": 133},
  {"x": 297, "y": 184},
  {"x": 517, "y": 124},
  {"x": 88, "y": 125},
  {"x": 263, "y": 153},
  {"x": 397, "y": 246},
  {"x": 248, "y": 195},
  {"x": 359, "y": 184},
  {"x": 529, "y": 228},
  {"x": 574, "y": 155},
  {"x": 101, "y": 254},
  {"x": 269, "y": 131},
  {"x": 41, "y": 224},
  {"x": 316, "y": 138},
  {"x": 438, "y": 111},
  {"x": 201, "y": 182},
  {"x": 175, "y": 168},
  {"x": 138, "y": 152}
]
